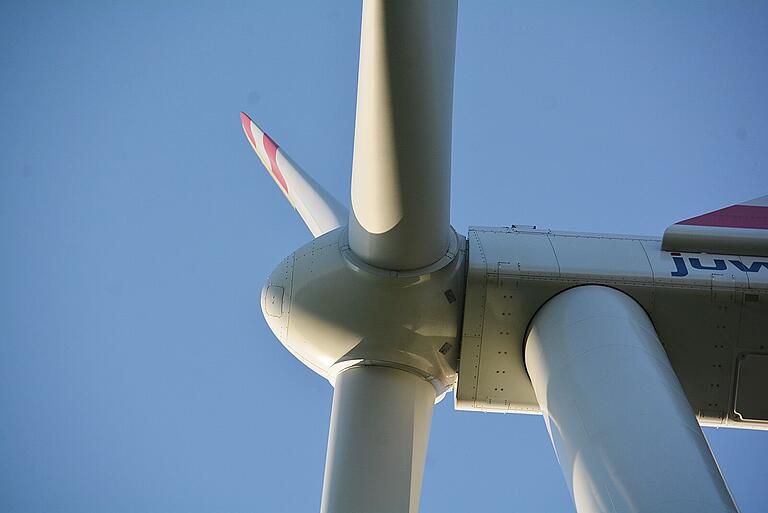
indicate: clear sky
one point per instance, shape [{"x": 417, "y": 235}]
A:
[{"x": 137, "y": 226}]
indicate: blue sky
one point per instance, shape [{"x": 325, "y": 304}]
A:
[{"x": 136, "y": 371}]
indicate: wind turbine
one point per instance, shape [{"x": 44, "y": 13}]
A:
[{"x": 625, "y": 344}]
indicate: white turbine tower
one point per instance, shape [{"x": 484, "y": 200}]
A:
[{"x": 567, "y": 325}]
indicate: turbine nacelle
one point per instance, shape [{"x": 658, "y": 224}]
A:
[{"x": 332, "y": 311}]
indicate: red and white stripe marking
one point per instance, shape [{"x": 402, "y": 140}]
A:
[
  {"x": 751, "y": 214},
  {"x": 736, "y": 230},
  {"x": 319, "y": 210},
  {"x": 266, "y": 149}
]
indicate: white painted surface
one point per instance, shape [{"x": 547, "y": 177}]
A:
[
  {"x": 623, "y": 431},
  {"x": 319, "y": 210},
  {"x": 336, "y": 310},
  {"x": 377, "y": 442},
  {"x": 716, "y": 239},
  {"x": 707, "y": 318},
  {"x": 401, "y": 168}
]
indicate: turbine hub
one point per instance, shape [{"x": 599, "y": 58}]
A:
[{"x": 332, "y": 311}]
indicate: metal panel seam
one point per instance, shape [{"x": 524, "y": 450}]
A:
[{"x": 557, "y": 260}]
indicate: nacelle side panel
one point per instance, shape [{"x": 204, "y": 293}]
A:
[{"x": 710, "y": 311}]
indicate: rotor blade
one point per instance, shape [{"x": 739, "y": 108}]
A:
[
  {"x": 401, "y": 172},
  {"x": 377, "y": 442},
  {"x": 316, "y": 206},
  {"x": 623, "y": 430}
]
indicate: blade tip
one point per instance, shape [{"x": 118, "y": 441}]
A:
[{"x": 244, "y": 119}]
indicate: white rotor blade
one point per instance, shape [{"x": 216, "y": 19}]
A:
[
  {"x": 623, "y": 430},
  {"x": 377, "y": 442},
  {"x": 402, "y": 157},
  {"x": 316, "y": 206}
]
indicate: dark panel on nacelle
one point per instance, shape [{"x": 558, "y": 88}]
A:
[{"x": 750, "y": 401}]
